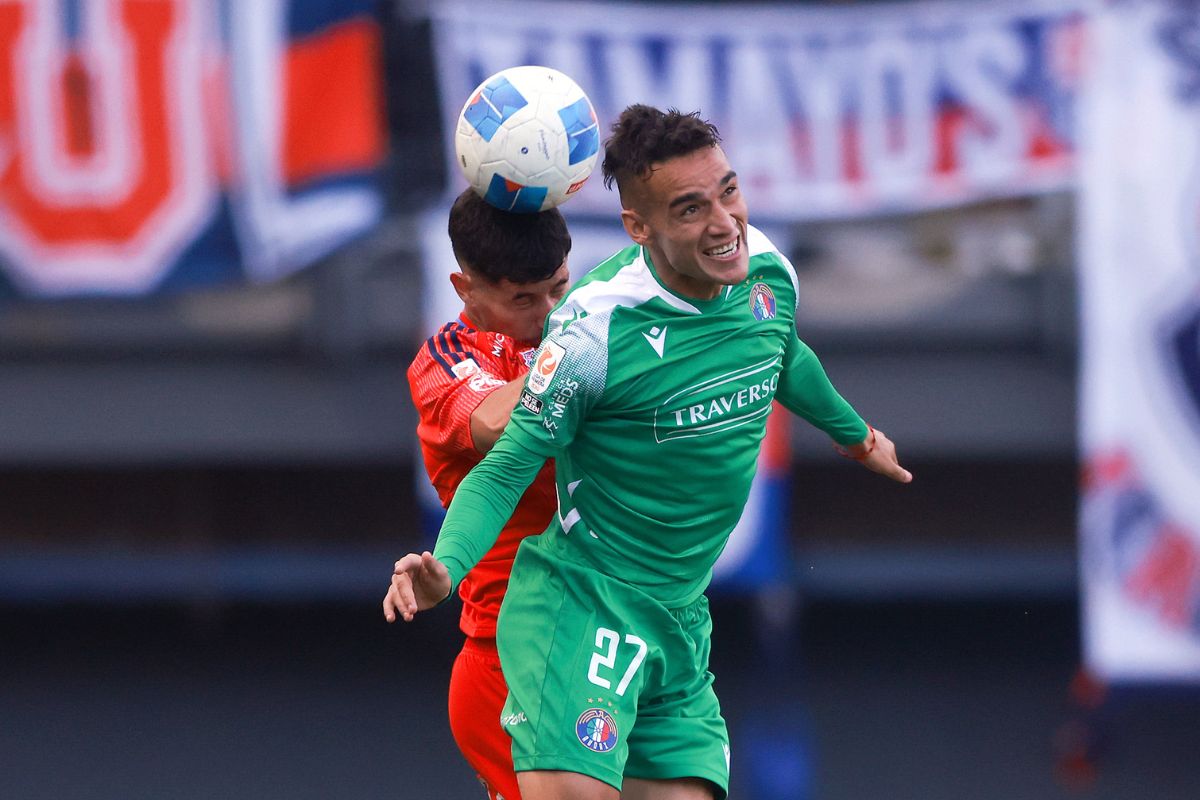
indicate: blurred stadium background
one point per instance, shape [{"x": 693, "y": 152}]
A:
[{"x": 207, "y": 446}]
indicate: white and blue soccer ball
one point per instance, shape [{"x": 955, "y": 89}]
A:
[{"x": 527, "y": 139}]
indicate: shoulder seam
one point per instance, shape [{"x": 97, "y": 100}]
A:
[
  {"x": 765, "y": 247},
  {"x": 629, "y": 287}
]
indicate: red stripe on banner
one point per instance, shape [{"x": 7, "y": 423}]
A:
[
  {"x": 334, "y": 117},
  {"x": 851, "y": 149},
  {"x": 77, "y": 111},
  {"x": 1104, "y": 470},
  {"x": 1043, "y": 142},
  {"x": 12, "y": 22},
  {"x": 949, "y": 124},
  {"x": 1169, "y": 577}
]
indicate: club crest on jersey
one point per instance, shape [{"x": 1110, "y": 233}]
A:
[
  {"x": 762, "y": 302},
  {"x": 544, "y": 367},
  {"x": 596, "y": 730}
]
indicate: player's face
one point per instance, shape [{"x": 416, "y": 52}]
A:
[
  {"x": 691, "y": 215},
  {"x": 518, "y": 310}
]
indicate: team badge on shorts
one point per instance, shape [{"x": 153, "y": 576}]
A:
[
  {"x": 762, "y": 302},
  {"x": 596, "y": 730}
]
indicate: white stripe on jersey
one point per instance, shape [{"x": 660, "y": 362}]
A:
[
  {"x": 631, "y": 286},
  {"x": 758, "y": 243}
]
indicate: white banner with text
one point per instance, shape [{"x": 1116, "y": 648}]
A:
[
  {"x": 824, "y": 112},
  {"x": 1139, "y": 257}
]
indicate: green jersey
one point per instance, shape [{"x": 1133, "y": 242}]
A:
[{"x": 653, "y": 406}]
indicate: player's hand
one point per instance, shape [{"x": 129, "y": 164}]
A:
[
  {"x": 419, "y": 582},
  {"x": 878, "y": 454}
]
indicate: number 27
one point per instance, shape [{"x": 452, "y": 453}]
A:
[{"x": 608, "y": 640}]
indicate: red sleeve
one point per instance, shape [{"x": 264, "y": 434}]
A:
[
  {"x": 451, "y": 375},
  {"x": 448, "y": 379}
]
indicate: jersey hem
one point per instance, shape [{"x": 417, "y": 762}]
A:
[
  {"x": 555, "y": 549},
  {"x": 719, "y": 782},
  {"x": 558, "y": 763}
]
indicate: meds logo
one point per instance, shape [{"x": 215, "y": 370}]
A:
[{"x": 596, "y": 730}]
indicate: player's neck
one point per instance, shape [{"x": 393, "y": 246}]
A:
[{"x": 685, "y": 286}]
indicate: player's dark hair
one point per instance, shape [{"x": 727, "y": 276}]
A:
[
  {"x": 524, "y": 248},
  {"x": 644, "y": 135}
]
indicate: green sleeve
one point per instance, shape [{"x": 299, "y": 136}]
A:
[
  {"x": 484, "y": 502},
  {"x": 805, "y": 390}
]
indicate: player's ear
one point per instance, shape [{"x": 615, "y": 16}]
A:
[
  {"x": 635, "y": 226},
  {"x": 461, "y": 282}
]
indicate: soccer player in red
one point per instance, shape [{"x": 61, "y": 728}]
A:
[{"x": 465, "y": 382}]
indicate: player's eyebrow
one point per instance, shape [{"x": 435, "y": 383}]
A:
[
  {"x": 527, "y": 295},
  {"x": 692, "y": 197}
]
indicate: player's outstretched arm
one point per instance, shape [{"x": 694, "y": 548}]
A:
[
  {"x": 485, "y": 499},
  {"x": 878, "y": 454},
  {"x": 419, "y": 582}
]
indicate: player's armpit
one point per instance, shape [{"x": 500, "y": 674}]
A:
[{"x": 445, "y": 399}]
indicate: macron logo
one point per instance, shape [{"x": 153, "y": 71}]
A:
[{"x": 657, "y": 337}]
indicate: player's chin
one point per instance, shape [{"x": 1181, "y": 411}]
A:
[
  {"x": 527, "y": 334},
  {"x": 728, "y": 273},
  {"x": 728, "y": 270}
]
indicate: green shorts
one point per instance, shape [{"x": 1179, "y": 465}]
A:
[{"x": 605, "y": 681}]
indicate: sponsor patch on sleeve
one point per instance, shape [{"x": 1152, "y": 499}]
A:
[
  {"x": 484, "y": 381},
  {"x": 465, "y": 368},
  {"x": 531, "y": 403},
  {"x": 544, "y": 367}
]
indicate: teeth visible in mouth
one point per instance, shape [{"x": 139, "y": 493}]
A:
[{"x": 725, "y": 250}]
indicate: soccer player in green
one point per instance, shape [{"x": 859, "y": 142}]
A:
[{"x": 651, "y": 391}]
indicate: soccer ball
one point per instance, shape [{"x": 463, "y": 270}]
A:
[{"x": 527, "y": 139}]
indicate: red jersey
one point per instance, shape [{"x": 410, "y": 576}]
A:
[{"x": 451, "y": 375}]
